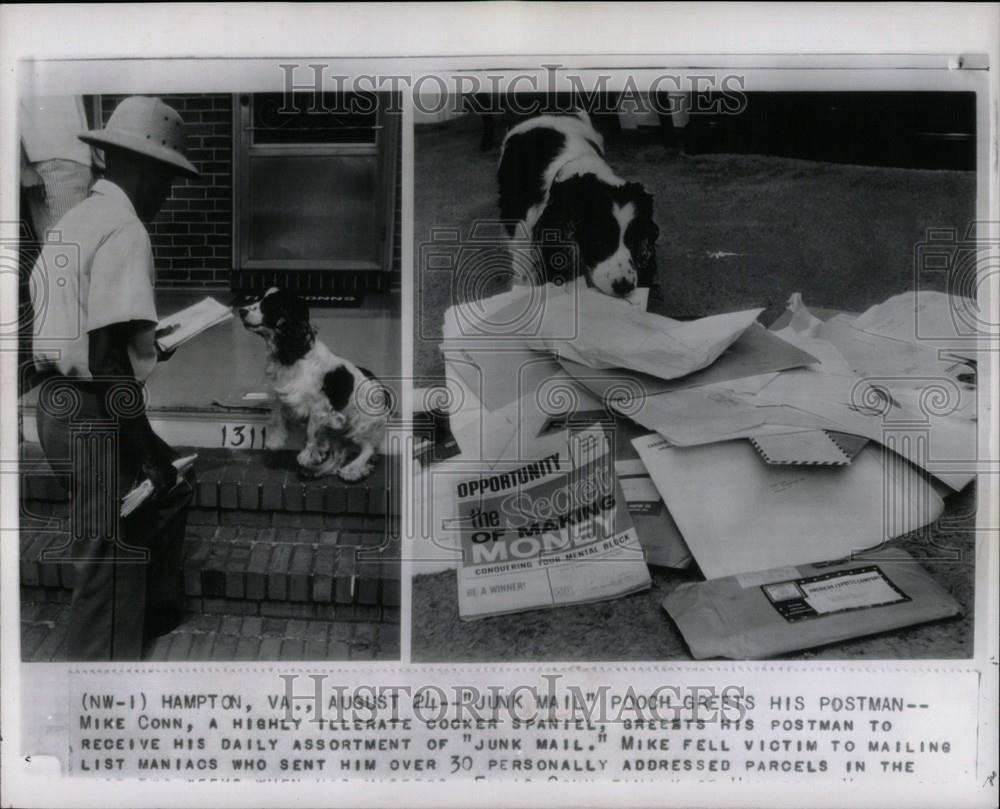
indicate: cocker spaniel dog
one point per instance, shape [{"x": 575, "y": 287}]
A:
[
  {"x": 344, "y": 408},
  {"x": 553, "y": 180}
]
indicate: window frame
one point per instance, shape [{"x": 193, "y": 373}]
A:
[{"x": 385, "y": 151}]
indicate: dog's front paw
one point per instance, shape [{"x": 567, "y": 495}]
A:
[
  {"x": 308, "y": 458},
  {"x": 355, "y": 471},
  {"x": 275, "y": 439}
]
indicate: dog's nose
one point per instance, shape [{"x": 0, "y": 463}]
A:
[{"x": 622, "y": 287}]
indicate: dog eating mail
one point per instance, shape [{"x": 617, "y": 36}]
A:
[{"x": 553, "y": 179}]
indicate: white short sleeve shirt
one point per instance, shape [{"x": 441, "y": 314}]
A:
[
  {"x": 95, "y": 269},
  {"x": 49, "y": 128}
]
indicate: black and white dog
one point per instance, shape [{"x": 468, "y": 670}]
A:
[
  {"x": 344, "y": 407},
  {"x": 554, "y": 180}
]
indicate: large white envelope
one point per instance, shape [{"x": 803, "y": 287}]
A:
[{"x": 739, "y": 514}]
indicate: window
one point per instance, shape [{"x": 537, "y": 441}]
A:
[{"x": 315, "y": 181}]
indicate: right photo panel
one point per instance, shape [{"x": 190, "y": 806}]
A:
[{"x": 695, "y": 372}]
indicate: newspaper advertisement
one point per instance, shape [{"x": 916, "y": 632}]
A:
[
  {"x": 520, "y": 405},
  {"x": 554, "y": 531}
]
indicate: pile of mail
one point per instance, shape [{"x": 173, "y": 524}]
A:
[{"x": 770, "y": 453}]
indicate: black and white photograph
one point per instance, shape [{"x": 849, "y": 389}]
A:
[
  {"x": 759, "y": 297},
  {"x": 210, "y": 359},
  {"x": 499, "y": 404}
]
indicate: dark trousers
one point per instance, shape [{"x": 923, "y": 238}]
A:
[{"x": 128, "y": 571}]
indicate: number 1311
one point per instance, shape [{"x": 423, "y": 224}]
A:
[{"x": 243, "y": 436}]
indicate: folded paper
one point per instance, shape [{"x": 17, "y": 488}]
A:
[
  {"x": 755, "y": 353},
  {"x": 188, "y": 323},
  {"x": 595, "y": 330}
]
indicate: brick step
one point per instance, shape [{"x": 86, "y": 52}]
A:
[
  {"x": 259, "y": 488},
  {"x": 253, "y": 568},
  {"x": 212, "y": 636},
  {"x": 51, "y": 515},
  {"x": 346, "y": 613}
]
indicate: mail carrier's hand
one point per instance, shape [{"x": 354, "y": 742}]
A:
[
  {"x": 161, "y": 355},
  {"x": 158, "y": 464},
  {"x": 160, "y": 471}
]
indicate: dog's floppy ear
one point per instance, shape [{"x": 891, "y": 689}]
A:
[
  {"x": 642, "y": 234},
  {"x": 278, "y": 305},
  {"x": 643, "y": 201},
  {"x": 292, "y": 307},
  {"x": 554, "y": 234},
  {"x": 293, "y": 334}
]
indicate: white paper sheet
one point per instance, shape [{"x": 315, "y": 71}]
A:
[
  {"x": 643, "y": 342},
  {"x": 596, "y": 330},
  {"x": 738, "y": 514},
  {"x": 875, "y": 355},
  {"x": 756, "y": 353},
  {"x": 465, "y": 411},
  {"x": 709, "y": 413},
  {"x": 192, "y": 321},
  {"x": 510, "y": 431},
  {"x": 500, "y": 374},
  {"x": 925, "y": 317}
]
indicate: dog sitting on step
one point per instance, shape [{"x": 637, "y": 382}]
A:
[{"x": 344, "y": 408}]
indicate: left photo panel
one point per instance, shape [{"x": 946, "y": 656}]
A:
[{"x": 210, "y": 376}]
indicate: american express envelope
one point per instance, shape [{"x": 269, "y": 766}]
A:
[{"x": 787, "y": 609}]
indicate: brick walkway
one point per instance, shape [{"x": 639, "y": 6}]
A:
[
  {"x": 291, "y": 573},
  {"x": 227, "y": 637}
]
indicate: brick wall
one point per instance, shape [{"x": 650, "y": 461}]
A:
[{"x": 193, "y": 235}]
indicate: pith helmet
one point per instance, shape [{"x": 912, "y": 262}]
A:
[{"x": 149, "y": 127}]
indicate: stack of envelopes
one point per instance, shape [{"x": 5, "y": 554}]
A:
[{"x": 771, "y": 449}]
